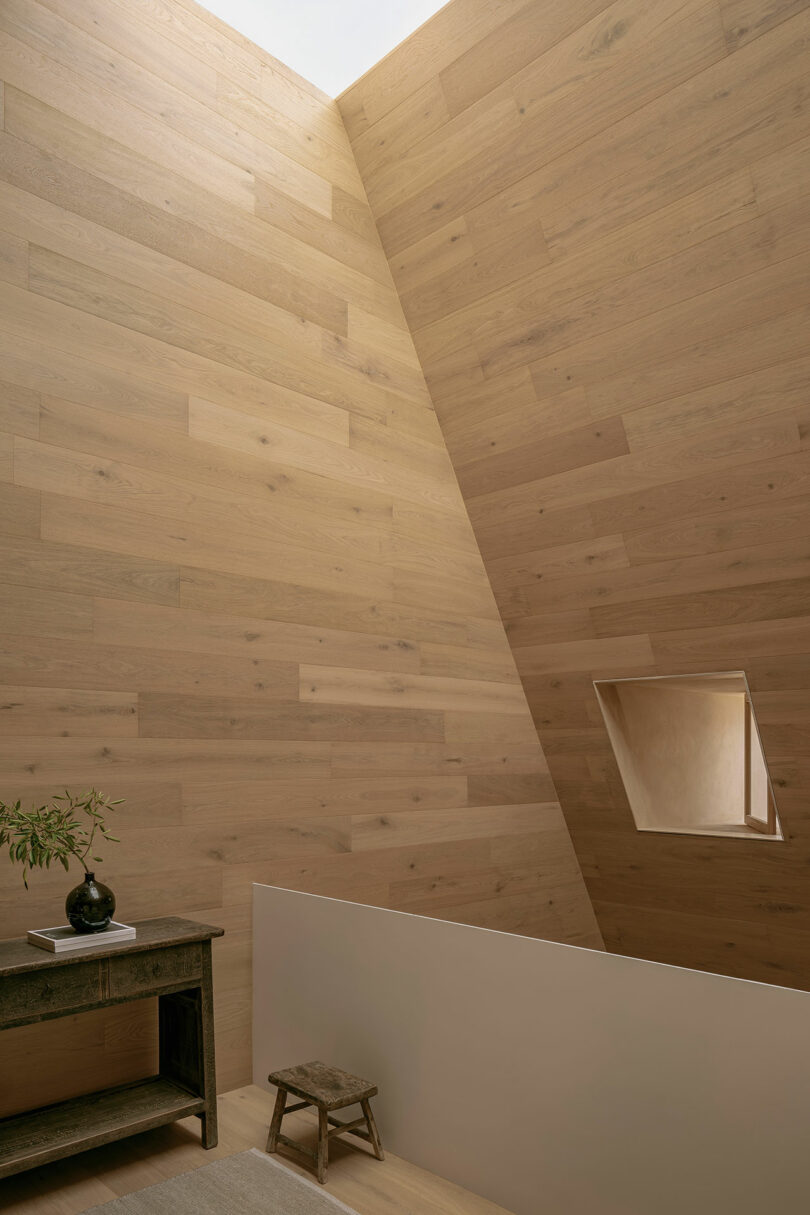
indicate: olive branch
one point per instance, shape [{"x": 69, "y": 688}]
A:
[{"x": 55, "y": 832}]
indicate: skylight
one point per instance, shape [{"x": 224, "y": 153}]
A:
[
  {"x": 689, "y": 754},
  {"x": 329, "y": 44}
]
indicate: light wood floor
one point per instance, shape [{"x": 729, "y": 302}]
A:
[{"x": 393, "y": 1188}]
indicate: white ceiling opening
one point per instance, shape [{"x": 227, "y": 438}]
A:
[{"x": 330, "y": 44}]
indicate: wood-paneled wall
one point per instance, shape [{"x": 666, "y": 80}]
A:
[
  {"x": 240, "y": 587},
  {"x": 597, "y": 216}
]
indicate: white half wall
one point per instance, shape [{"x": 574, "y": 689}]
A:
[{"x": 551, "y": 1079}]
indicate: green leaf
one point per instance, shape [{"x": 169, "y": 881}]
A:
[{"x": 61, "y": 830}]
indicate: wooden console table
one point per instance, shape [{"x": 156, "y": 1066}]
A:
[{"x": 171, "y": 959}]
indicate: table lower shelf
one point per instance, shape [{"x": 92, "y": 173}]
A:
[{"x": 43, "y": 1135}]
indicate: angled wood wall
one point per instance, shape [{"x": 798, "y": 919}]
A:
[
  {"x": 240, "y": 588},
  {"x": 597, "y": 216}
]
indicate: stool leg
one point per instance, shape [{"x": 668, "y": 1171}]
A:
[
  {"x": 275, "y": 1125},
  {"x": 323, "y": 1145},
  {"x": 372, "y": 1129}
]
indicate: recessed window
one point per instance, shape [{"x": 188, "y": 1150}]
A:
[{"x": 689, "y": 754}]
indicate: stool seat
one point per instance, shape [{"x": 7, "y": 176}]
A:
[{"x": 330, "y": 1088}]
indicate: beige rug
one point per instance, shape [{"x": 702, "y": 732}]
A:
[{"x": 250, "y": 1183}]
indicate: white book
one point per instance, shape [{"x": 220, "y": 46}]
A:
[{"x": 64, "y": 938}]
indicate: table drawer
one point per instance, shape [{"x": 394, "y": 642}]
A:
[
  {"x": 38, "y": 994},
  {"x": 141, "y": 973}
]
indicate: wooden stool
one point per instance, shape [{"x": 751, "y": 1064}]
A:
[{"x": 328, "y": 1089}]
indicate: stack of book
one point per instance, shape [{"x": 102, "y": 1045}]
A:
[{"x": 64, "y": 938}]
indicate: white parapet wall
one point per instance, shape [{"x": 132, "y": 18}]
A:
[{"x": 551, "y": 1079}]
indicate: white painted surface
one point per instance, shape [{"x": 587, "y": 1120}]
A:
[
  {"x": 550, "y": 1079},
  {"x": 327, "y": 43}
]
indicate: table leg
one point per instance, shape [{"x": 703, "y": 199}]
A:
[
  {"x": 374, "y": 1134},
  {"x": 186, "y": 1051},
  {"x": 323, "y": 1145},
  {"x": 275, "y": 1125},
  {"x": 210, "y": 1134}
]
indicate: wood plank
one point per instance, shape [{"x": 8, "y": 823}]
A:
[
  {"x": 36, "y": 366},
  {"x": 418, "y": 59},
  {"x": 769, "y": 481},
  {"x": 370, "y": 832},
  {"x": 707, "y": 130},
  {"x": 744, "y": 21},
  {"x": 82, "y": 58},
  {"x": 513, "y": 45},
  {"x": 89, "y": 478},
  {"x": 301, "y": 272},
  {"x": 278, "y": 209},
  {"x": 339, "y": 685},
  {"x": 466, "y": 662},
  {"x": 120, "y": 29},
  {"x": 717, "y": 532},
  {"x": 438, "y": 592},
  {"x": 88, "y": 571},
  {"x": 313, "y": 144},
  {"x": 199, "y": 544},
  {"x": 510, "y": 790},
  {"x": 35, "y": 1140},
  {"x": 493, "y": 259},
  {"x": 466, "y": 727},
  {"x": 36, "y": 72},
  {"x": 220, "y": 633},
  {"x": 13, "y": 259},
  {"x": 576, "y": 271},
  {"x": 571, "y": 449},
  {"x": 209, "y": 381},
  {"x": 230, "y": 428},
  {"x": 420, "y": 113},
  {"x": 480, "y": 757},
  {"x": 96, "y": 432},
  {"x": 593, "y": 656},
  {"x": 490, "y": 429},
  {"x": 186, "y": 26},
  {"x": 19, "y": 410},
  {"x": 721, "y": 448},
  {"x": 67, "y": 761},
  {"x": 26, "y": 610},
  {"x": 99, "y": 198},
  {"x": 100, "y": 295},
  {"x": 149, "y": 804},
  {"x": 565, "y": 602},
  {"x": 19, "y": 511},
  {"x": 665, "y": 156},
  {"x": 41, "y": 661},
  {"x": 733, "y": 254},
  {"x": 541, "y": 135},
  {"x": 184, "y": 122},
  {"x": 206, "y": 802},
  {"x": 92, "y": 245},
  {"x": 606, "y": 553},
  {"x": 6, "y": 456},
  {"x": 266, "y": 599},
  {"x": 162, "y": 715},
  {"x": 68, "y": 712}
]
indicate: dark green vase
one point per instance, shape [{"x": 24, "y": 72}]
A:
[{"x": 90, "y": 906}]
